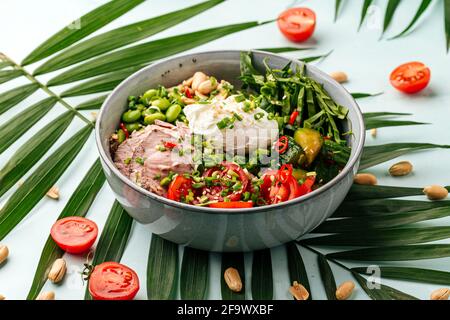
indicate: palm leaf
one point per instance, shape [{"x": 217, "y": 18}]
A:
[
  {"x": 447, "y": 22},
  {"x": 37, "y": 185},
  {"x": 78, "y": 205},
  {"x": 92, "y": 104},
  {"x": 113, "y": 239},
  {"x": 4, "y": 63},
  {"x": 194, "y": 274},
  {"x": 370, "y": 115},
  {"x": 11, "y": 131},
  {"x": 337, "y": 6},
  {"x": 297, "y": 270},
  {"x": 375, "y": 155},
  {"x": 358, "y": 192},
  {"x": 232, "y": 260},
  {"x": 365, "y": 9},
  {"x": 390, "y": 11},
  {"x": 362, "y": 95},
  {"x": 12, "y": 97},
  {"x": 385, "y": 206},
  {"x": 395, "y": 253},
  {"x": 411, "y": 274},
  {"x": 327, "y": 277},
  {"x": 315, "y": 58},
  {"x": 147, "y": 52},
  {"x": 422, "y": 8},
  {"x": 382, "y": 292},
  {"x": 103, "y": 83},
  {"x": 32, "y": 151},
  {"x": 383, "y": 221},
  {"x": 283, "y": 49},
  {"x": 87, "y": 24},
  {"x": 162, "y": 269},
  {"x": 381, "y": 123},
  {"x": 262, "y": 277},
  {"x": 8, "y": 75},
  {"x": 389, "y": 237},
  {"x": 120, "y": 37}
]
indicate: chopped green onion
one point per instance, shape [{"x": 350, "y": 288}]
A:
[
  {"x": 239, "y": 98},
  {"x": 259, "y": 116},
  {"x": 165, "y": 182},
  {"x": 198, "y": 185},
  {"x": 237, "y": 116},
  {"x": 139, "y": 160},
  {"x": 246, "y": 196},
  {"x": 127, "y": 161}
]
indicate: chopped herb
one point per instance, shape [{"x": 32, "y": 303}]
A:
[
  {"x": 246, "y": 196},
  {"x": 239, "y": 98},
  {"x": 237, "y": 116},
  {"x": 198, "y": 185},
  {"x": 127, "y": 161},
  {"x": 139, "y": 160},
  {"x": 259, "y": 116}
]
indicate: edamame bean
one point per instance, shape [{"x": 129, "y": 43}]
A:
[
  {"x": 131, "y": 116},
  {"x": 121, "y": 136},
  {"x": 173, "y": 112},
  {"x": 150, "y": 119},
  {"x": 162, "y": 104},
  {"x": 147, "y": 97},
  {"x": 133, "y": 127}
]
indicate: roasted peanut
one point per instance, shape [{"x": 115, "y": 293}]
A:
[
  {"x": 198, "y": 78},
  {"x": 401, "y": 169},
  {"x": 374, "y": 132},
  {"x": 53, "y": 193},
  {"x": 298, "y": 291},
  {"x": 367, "y": 179},
  {"x": 436, "y": 192},
  {"x": 188, "y": 82},
  {"x": 440, "y": 294},
  {"x": 345, "y": 290},
  {"x": 4, "y": 253},
  {"x": 2, "y": 297},
  {"x": 339, "y": 76},
  {"x": 207, "y": 86},
  {"x": 48, "y": 295},
  {"x": 57, "y": 271},
  {"x": 233, "y": 279}
]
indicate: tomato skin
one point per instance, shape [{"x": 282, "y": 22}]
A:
[
  {"x": 411, "y": 77},
  {"x": 74, "y": 234},
  {"x": 113, "y": 281},
  {"x": 297, "y": 24},
  {"x": 178, "y": 188},
  {"x": 232, "y": 205}
]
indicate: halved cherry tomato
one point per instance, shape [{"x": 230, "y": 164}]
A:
[
  {"x": 225, "y": 174},
  {"x": 113, "y": 281},
  {"x": 279, "y": 192},
  {"x": 179, "y": 188},
  {"x": 74, "y": 234},
  {"x": 411, "y": 77},
  {"x": 231, "y": 205},
  {"x": 282, "y": 145},
  {"x": 297, "y": 24},
  {"x": 306, "y": 187},
  {"x": 285, "y": 173}
]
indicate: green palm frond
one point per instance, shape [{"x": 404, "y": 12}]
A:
[
  {"x": 194, "y": 274},
  {"x": 78, "y": 205},
  {"x": 420, "y": 11},
  {"x": 14, "y": 96},
  {"x": 447, "y": 22},
  {"x": 296, "y": 266},
  {"x": 411, "y": 274},
  {"x": 365, "y": 9},
  {"x": 262, "y": 277},
  {"x": 389, "y": 14},
  {"x": 92, "y": 104},
  {"x": 327, "y": 277}
]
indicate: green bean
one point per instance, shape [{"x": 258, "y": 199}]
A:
[
  {"x": 133, "y": 127},
  {"x": 131, "y": 116},
  {"x": 162, "y": 104},
  {"x": 150, "y": 119},
  {"x": 165, "y": 182},
  {"x": 173, "y": 112},
  {"x": 121, "y": 136}
]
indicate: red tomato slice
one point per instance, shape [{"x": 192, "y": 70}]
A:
[
  {"x": 231, "y": 205},
  {"x": 279, "y": 193},
  {"x": 74, "y": 234},
  {"x": 113, "y": 281},
  {"x": 297, "y": 24},
  {"x": 179, "y": 188},
  {"x": 411, "y": 77},
  {"x": 306, "y": 187}
]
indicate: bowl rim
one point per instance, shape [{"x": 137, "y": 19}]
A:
[{"x": 348, "y": 167}]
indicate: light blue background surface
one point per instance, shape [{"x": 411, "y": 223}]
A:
[{"x": 24, "y": 24}]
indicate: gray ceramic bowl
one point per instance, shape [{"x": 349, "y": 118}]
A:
[{"x": 214, "y": 229}]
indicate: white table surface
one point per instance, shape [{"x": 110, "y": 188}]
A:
[{"x": 24, "y": 24}]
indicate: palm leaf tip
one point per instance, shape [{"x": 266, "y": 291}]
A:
[
  {"x": 447, "y": 22},
  {"x": 12, "y": 97},
  {"x": 194, "y": 274},
  {"x": 81, "y": 28},
  {"x": 420, "y": 11},
  {"x": 389, "y": 14},
  {"x": 337, "y": 7},
  {"x": 108, "y": 41},
  {"x": 262, "y": 275},
  {"x": 365, "y": 9}
]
